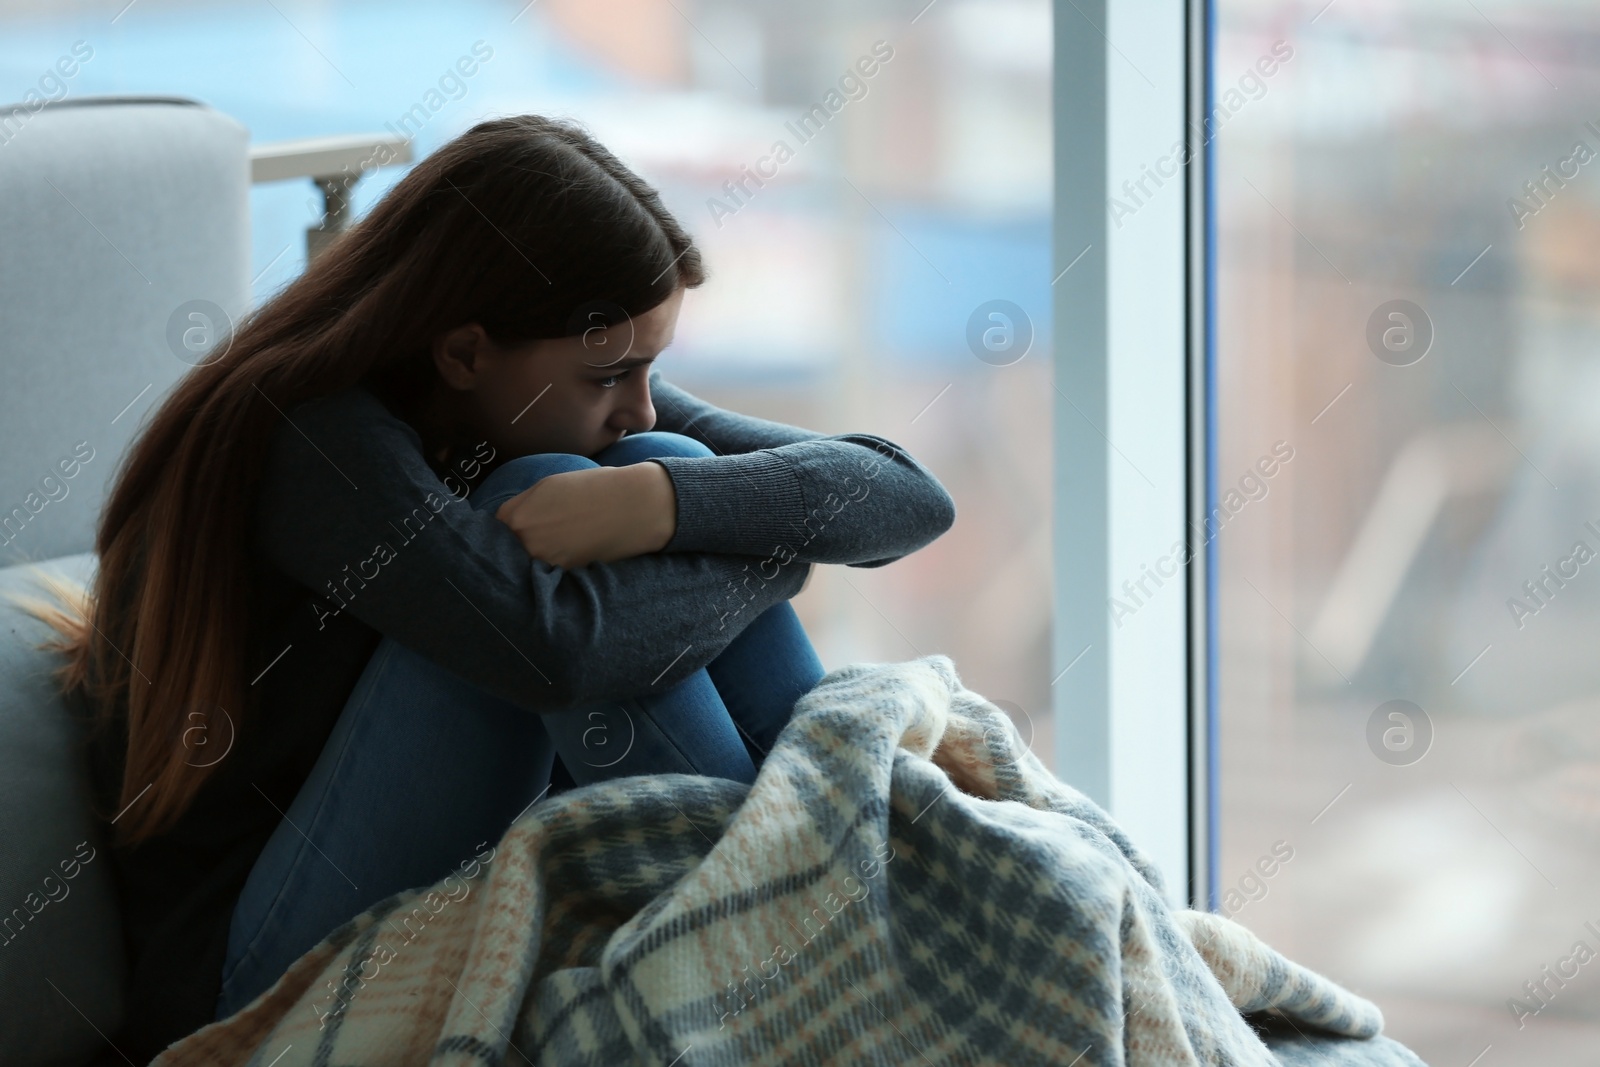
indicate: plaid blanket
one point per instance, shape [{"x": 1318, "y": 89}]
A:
[{"x": 905, "y": 883}]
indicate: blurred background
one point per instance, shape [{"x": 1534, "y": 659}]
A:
[
  {"x": 1389, "y": 159},
  {"x": 1441, "y": 859},
  {"x": 840, "y": 288}
]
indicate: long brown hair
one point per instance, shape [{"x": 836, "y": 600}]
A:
[{"x": 517, "y": 224}]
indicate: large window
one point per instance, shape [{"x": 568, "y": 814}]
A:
[
  {"x": 1407, "y": 449},
  {"x": 851, "y": 269}
]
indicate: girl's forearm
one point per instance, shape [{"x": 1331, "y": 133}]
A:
[{"x": 854, "y": 499}]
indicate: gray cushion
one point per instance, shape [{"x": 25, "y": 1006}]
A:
[
  {"x": 116, "y": 213},
  {"x": 59, "y": 921}
]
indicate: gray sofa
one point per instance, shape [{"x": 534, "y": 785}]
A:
[{"x": 120, "y": 217}]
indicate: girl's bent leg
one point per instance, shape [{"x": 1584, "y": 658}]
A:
[
  {"x": 683, "y": 729},
  {"x": 771, "y": 664},
  {"x": 761, "y": 674},
  {"x": 421, "y": 771}
]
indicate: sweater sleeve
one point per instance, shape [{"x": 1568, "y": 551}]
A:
[
  {"x": 855, "y": 499},
  {"x": 348, "y": 507}
]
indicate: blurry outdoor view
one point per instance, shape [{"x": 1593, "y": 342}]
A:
[
  {"x": 1408, "y": 247},
  {"x": 844, "y": 266}
]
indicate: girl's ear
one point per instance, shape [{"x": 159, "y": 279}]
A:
[{"x": 457, "y": 352}]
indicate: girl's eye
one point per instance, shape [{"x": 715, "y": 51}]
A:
[{"x": 612, "y": 380}]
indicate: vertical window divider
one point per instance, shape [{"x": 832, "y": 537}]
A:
[{"x": 1130, "y": 673}]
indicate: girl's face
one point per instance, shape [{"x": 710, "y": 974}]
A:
[{"x": 567, "y": 394}]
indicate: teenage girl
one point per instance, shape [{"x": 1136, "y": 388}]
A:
[{"x": 431, "y": 530}]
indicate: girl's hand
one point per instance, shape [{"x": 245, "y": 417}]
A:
[{"x": 595, "y": 515}]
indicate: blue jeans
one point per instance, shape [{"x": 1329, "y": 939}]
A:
[{"x": 423, "y": 769}]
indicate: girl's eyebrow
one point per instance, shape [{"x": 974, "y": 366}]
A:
[{"x": 625, "y": 364}]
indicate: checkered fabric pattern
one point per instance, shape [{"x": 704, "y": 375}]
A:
[{"x": 905, "y": 883}]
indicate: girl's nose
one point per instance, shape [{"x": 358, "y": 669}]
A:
[{"x": 634, "y": 412}]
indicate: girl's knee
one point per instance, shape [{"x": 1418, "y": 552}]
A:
[
  {"x": 520, "y": 472},
  {"x": 649, "y": 445}
]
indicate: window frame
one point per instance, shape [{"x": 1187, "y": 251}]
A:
[{"x": 1133, "y": 679}]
